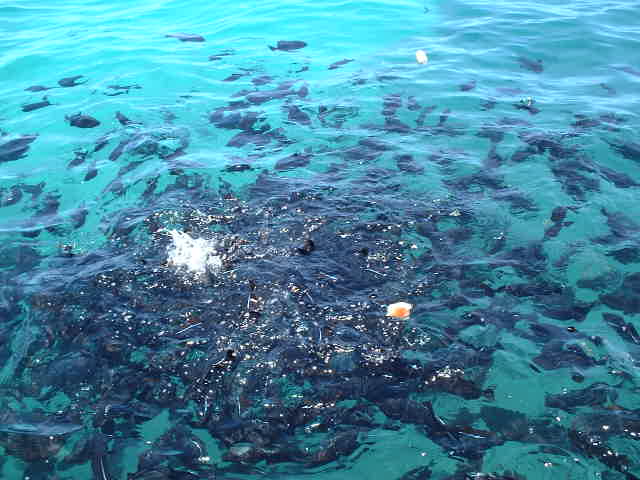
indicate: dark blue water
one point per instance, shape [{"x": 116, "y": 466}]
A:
[{"x": 203, "y": 227}]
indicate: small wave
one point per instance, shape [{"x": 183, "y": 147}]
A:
[{"x": 193, "y": 255}]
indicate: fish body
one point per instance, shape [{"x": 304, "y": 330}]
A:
[
  {"x": 186, "y": 37},
  {"x": 531, "y": 65},
  {"x": 37, "y": 88},
  {"x": 71, "y": 81},
  {"x": 288, "y": 45},
  {"x": 35, "y": 106},
  {"x": 339, "y": 63},
  {"x": 82, "y": 121},
  {"x": 16, "y": 148}
]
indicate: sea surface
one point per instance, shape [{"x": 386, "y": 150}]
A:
[{"x": 207, "y": 207}]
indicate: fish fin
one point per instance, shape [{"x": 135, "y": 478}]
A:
[{"x": 273, "y": 48}]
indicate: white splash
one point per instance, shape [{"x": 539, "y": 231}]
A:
[{"x": 195, "y": 255}]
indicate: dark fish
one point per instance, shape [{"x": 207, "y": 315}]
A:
[
  {"x": 16, "y": 148},
  {"x": 626, "y": 255},
  {"x": 218, "y": 56},
  {"x": 101, "y": 142},
  {"x": 288, "y": 45},
  {"x": 531, "y": 65},
  {"x": 412, "y": 104},
  {"x": 626, "y": 330},
  {"x": 488, "y": 104},
  {"x": 262, "y": 80},
  {"x": 122, "y": 119},
  {"x": 33, "y": 190},
  {"x": 493, "y": 158},
  {"x": 293, "y": 161},
  {"x": 522, "y": 154},
  {"x": 296, "y": 115},
  {"x": 37, "y": 88},
  {"x": 407, "y": 164},
  {"x": 627, "y": 297},
  {"x": 238, "y": 167},
  {"x": 186, "y": 37},
  {"x": 390, "y": 104},
  {"x": 423, "y": 114},
  {"x": 619, "y": 179},
  {"x": 36, "y": 106},
  {"x": 281, "y": 91},
  {"x": 629, "y": 150},
  {"x": 418, "y": 473},
  {"x": 307, "y": 247},
  {"x": 233, "y": 77},
  {"x": 558, "y": 214},
  {"x": 594, "y": 395},
  {"x": 493, "y": 133},
  {"x": 465, "y": 87},
  {"x": 82, "y": 121},
  {"x": 10, "y": 196},
  {"x": 71, "y": 81},
  {"x": 594, "y": 446},
  {"x": 80, "y": 157},
  {"x": 124, "y": 87},
  {"x": 528, "y": 106},
  {"x": 119, "y": 150},
  {"x": 78, "y": 217},
  {"x": 92, "y": 172},
  {"x": 339, "y": 63},
  {"x": 444, "y": 116},
  {"x": 556, "y": 354},
  {"x": 121, "y": 89}
]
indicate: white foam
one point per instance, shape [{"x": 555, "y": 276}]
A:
[{"x": 194, "y": 255}]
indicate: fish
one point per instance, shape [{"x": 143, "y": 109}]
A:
[
  {"x": 295, "y": 160},
  {"x": 406, "y": 163},
  {"x": 288, "y": 45},
  {"x": 37, "y": 88},
  {"x": 121, "y": 89},
  {"x": 10, "y": 196},
  {"x": 531, "y": 65},
  {"x": 78, "y": 159},
  {"x": 488, "y": 104},
  {"x": 219, "y": 56},
  {"x": 71, "y": 81},
  {"x": 124, "y": 87},
  {"x": 628, "y": 149},
  {"x": 528, "y": 106},
  {"x": 233, "y": 77},
  {"x": 339, "y": 63},
  {"x": 16, "y": 148},
  {"x": 82, "y": 121},
  {"x": 123, "y": 120},
  {"x": 186, "y": 37},
  {"x": 412, "y": 104},
  {"x": 35, "y": 106},
  {"x": 238, "y": 167},
  {"x": 296, "y": 115},
  {"x": 262, "y": 80},
  {"x": 465, "y": 87}
]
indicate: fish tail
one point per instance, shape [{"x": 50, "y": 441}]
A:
[{"x": 272, "y": 48}]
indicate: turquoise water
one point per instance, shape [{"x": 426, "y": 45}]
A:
[{"x": 493, "y": 188}]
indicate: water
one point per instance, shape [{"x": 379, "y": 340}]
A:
[{"x": 200, "y": 281}]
